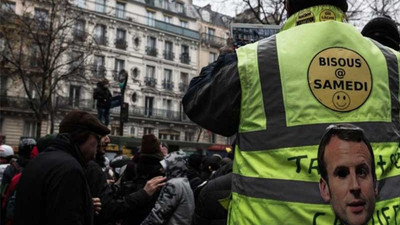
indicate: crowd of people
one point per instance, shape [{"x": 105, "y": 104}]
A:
[
  {"x": 278, "y": 96},
  {"x": 73, "y": 182}
]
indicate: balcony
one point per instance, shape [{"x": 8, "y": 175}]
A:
[
  {"x": 77, "y": 68},
  {"x": 121, "y": 44},
  {"x": 183, "y": 87},
  {"x": 169, "y": 55},
  {"x": 102, "y": 40},
  {"x": 213, "y": 40},
  {"x": 150, "y": 82},
  {"x": 185, "y": 58},
  {"x": 151, "y": 51},
  {"x": 15, "y": 102},
  {"x": 167, "y": 6},
  {"x": 82, "y": 104},
  {"x": 168, "y": 85},
  {"x": 99, "y": 71},
  {"x": 154, "y": 113}
]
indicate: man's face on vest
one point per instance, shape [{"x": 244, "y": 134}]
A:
[{"x": 350, "y": 189}]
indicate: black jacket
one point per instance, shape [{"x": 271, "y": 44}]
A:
[
  {"x": 103, "y": 96},
  {"x": 113, "y": 207},
  {"x": 53, "y": 188},
  {"x": 213, "y": 98},
  {"x": 208, "y": 209}
]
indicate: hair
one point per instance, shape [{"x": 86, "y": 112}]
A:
[{"x": 346, "y": 132}]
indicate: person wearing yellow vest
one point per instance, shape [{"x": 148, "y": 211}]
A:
[{"x": 279, "y": 94}]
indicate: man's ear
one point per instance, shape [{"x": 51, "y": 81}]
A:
[
  {"x": 376, "y": 188},
  {"x": 324, "y": 190}
]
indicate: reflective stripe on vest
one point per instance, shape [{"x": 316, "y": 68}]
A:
[{"x": 275, "y": 168}]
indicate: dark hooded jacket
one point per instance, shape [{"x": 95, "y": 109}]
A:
[
  {"x": 103, "y": 96},
  {"x": 175, "y": 204},
  {"x": 53, "y": 188}
]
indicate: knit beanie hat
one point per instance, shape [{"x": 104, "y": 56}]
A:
[
  {"x": 383, "y": 30},
  {"x": 80, "y": 120},
  {"x": 297, "y": 5},
  {"x": 150, "y": 144}
]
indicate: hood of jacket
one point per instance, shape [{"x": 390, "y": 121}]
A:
[
  {"x": 174, "y": 165},
  {"x": 64, "y": 143}
]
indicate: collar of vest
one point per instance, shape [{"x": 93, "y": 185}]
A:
[{"x": 315, "y": 14}]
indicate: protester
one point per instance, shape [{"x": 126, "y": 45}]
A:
[
  {"x": 141, "y": 169},
  {"x": 103, "y": 96},
  {"x": 6, "y": 154},
  {"x": 175, "y": 204},
  {"x": 279, "y": 93},
  {"x": 53, "y": 188},
  {"x": 383, "y": 30},
  {"x": 112, "y": 207},
  {"x": 209, "y": 202},
  {"x": 194, "y": 170},
  {"x": 348, "y": 179}
]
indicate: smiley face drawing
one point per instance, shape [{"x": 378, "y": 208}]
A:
[{"x": 341, "y": 100}]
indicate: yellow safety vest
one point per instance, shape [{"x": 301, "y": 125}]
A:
[{"x": 294, "y": 85}]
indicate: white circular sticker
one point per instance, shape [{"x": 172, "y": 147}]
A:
[{"x": 340, "y": 79}]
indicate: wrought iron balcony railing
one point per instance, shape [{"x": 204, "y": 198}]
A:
[
  {"x": 185, "y": 58},
  {"x": 169, "y": 55},
  {"x": 151, "y": 51},
  {"x": 168, "y": 85},
  {"x": 183, "y": 87},
  {"x": 213, "y": 40},
  {"x": 121, "y": 44},
  {"x": 150, "y": 81}
]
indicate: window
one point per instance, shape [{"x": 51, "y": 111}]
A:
[
  {"x": 168, "y": 75},
  {"x": 80, "y": 3},
  {"x": 74, "y": 96},
  {"x": 205, "y": 15},
  {"x": 121, "y": 42},
  {"x": 150, "y": 19},
  {"x": 167, "y": 19},
  {"x": 150, "y": 79},
  {"x": 100, "y": 6},
  {"x": 79, "y": 30},
  {"x": 3, "y": 85},
  {"x": 100, "y": 34},
  {"x": 119, "y": 65},
  {"x": 185, "y": 58},
  {"x": 8, "y": 6},
  {"x": 41, "y": 17},
  {"x": 150, "y": 71},
  {"x": 189, "y": 136},
  {"x": 121, "y": 34},
  {"x": 168, "y": 51},
  {"x": 151, "y": 46},
  {"x": 120, "y": 10},
  {"x": 132, "y": 131},
  {"x": 31, "y": 89},
  {"x": 99, "y": 69},
  {"x": 167, "y": 106},
  {"x": 77, "y": 61},
  {"x": 148, "y": 130},
  {"x": 179, "y": 7},
  {"x": 167, "y": 82},
  {"x": 210, "y": 32},
  {"x": 165, "y": 4},
  {"x": 148, "y": 106},
  {"x": 151, "y": 42},
  {"x": 30, "y": 128},
  {"x": 213, "y": 57},
  {"x": 183, "y": 85},
  {"x": 35, "y": 56},
  {"x": 184, "y": 24}
]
